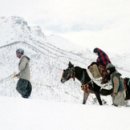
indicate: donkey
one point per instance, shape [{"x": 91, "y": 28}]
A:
[{"x": 87, "y": 84}]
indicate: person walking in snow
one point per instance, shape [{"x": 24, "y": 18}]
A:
[
  {"x": 24, "y": 86},
  {"x": 118, "y": 95}
]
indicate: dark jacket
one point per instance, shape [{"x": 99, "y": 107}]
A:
[{"x": 103, "y": 58}]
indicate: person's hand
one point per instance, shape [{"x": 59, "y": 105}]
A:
[
  {"x": 114, "y": 94},
  {"x": 15, "y": 75}
]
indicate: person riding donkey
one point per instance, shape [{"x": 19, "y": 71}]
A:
[{"x": 98, "y": 68}]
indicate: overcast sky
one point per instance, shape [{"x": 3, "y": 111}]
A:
[{"x": 88, "y": 23}]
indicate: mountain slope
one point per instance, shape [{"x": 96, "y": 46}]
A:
[{"x": 47, "y": 63}]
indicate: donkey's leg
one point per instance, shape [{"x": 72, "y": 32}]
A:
[
  {"x": 98, "y": 98},
  {"x": 85, "y": 97}
]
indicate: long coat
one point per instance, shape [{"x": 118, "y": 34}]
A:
[
  {"x": 24, "y": 69},
  {"x": 118, "y": 90}
]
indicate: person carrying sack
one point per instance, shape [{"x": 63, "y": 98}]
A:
[{"x": 100, "y": 65}]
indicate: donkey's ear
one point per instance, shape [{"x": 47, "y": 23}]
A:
[{"x": 70, "y": 65}]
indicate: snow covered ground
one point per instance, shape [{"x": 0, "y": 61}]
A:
[
  {"x": 52, "y": 105},
  {"x": 28, "y": 114}
]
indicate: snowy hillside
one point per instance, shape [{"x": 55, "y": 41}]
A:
[
  {"x": 52, "y": 105},
  {"x": 49, "y": 56},
  {"x": 47, "y": 62},
  {"x": 62, "y": 43}
]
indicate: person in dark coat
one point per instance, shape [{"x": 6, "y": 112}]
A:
[{"x": 24, "y": 86}]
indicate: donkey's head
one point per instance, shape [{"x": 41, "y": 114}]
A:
[{"x": 68, "y": 73}]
